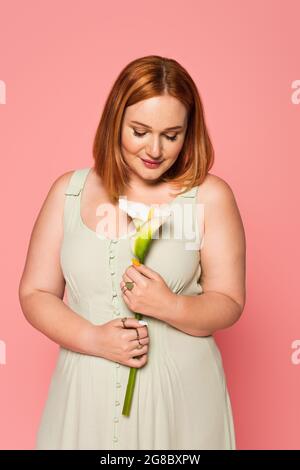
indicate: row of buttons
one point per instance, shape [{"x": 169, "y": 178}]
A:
[{"x": 117, "y": 312}]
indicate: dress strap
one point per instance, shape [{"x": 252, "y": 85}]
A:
[
  {"x": 72, "y": 200},
  {"x": 198, "y": 217},
  {"x": 191, "y": 193},
  {"x": 77, "y": 181}
]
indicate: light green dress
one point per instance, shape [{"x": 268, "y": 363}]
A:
[{"x": 180, "y": 398}]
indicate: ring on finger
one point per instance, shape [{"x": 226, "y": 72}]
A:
[
  {"x": 129, "y": 284},
  {"x": 138, "y": 338}
]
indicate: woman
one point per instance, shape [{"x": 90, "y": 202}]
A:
[{"x": 153, "y": 113}]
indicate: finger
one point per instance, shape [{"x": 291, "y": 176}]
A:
[
  {"x": 135, "y": 351},
  {"x": 127, "y": 296},
  {"x": 131, "y": 322},
  {"x": 142, "y": 334},
  {"x": 124, "y": 288},
  {"x": 135, "y": 276},
  {"x": 139, "y": 362},
  {"x": 146, "y": 271},
  {"x": 138, "y": 347},
  {"x": 126, "y": 278}
]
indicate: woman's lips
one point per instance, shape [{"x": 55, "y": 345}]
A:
[{"x": 151, "y": 164}]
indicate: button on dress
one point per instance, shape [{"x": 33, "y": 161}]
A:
[{"x": 180, "y": 398}]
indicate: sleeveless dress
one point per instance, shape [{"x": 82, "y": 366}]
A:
[{"x": 180, "y": 398}]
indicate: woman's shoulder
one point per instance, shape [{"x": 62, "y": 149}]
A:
[
  {"x": 214, "y": 189},
  {"x": 61, "y": 182}
]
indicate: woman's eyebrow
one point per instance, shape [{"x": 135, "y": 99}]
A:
[{"x": 167, "y": 129}]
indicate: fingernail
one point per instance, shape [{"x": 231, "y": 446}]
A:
[
  {"x": 143, "y": 322},
  {"x": 135, "y": 262}
]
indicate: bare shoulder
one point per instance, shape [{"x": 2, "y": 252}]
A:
[
  {"x": 220, "y": 205},
  {"x": 219, "y": 201},
  {"x": 53, "y": 203},
  {"x": 60, "y": 184},
  {"x": 213, "y": 189},
  {"x": 42, "y": 265}
]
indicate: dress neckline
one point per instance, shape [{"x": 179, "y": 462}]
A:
[{"x": 129, "y": 233}]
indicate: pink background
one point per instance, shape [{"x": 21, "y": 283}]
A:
[{"x": 58, "y": 60}]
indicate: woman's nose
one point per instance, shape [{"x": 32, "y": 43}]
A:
[{"x": 154, "y": 148}]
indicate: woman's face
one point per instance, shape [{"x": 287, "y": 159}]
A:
[{"x": 154, "y": 130}]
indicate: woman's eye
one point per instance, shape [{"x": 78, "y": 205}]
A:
[
  {"x": 171, "y": 138},
  {"x": 137, "y": 134}
]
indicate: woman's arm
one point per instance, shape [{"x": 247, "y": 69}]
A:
[
  {"x": 223, "y": 263},
  {"x": 42, "y": 284}
]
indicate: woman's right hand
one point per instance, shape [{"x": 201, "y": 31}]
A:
[{"x": 119, "y": 344}]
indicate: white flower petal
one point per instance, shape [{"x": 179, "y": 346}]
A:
[{"x": 139, "y": 210}]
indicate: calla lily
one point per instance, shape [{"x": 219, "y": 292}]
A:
[{"x": 147, "y": 220}]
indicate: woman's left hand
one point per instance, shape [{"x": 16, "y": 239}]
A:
[{"x": 150, "y": 294}]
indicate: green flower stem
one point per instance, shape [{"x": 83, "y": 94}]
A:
[
  {"x": 131, "y": 382},
  {"x": 140, "y": 245}
]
